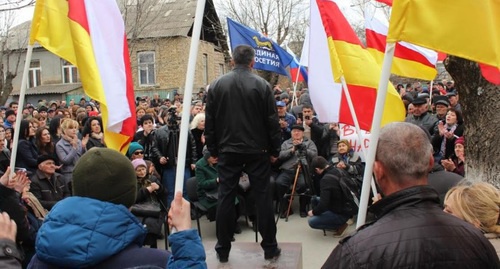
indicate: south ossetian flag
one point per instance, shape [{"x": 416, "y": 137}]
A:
[{"x": 91, "y": 35}]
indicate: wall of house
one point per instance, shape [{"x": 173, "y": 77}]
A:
[
  {"x": 51, "y": 68},
  {"x": 171, "y": 58}
]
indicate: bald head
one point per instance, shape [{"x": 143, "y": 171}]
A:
[{"x": 405, "y": 153}]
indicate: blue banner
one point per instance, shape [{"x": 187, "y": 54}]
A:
[{"x": 269, "y": 56}]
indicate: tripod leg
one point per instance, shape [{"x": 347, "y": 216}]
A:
[{"x": 293, "y": 191}]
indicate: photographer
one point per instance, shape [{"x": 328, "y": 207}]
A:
[
  {"x": 167, "y": 139},
  {"x": 313, "y": 129},
  {"x": 294, "y": 150}
]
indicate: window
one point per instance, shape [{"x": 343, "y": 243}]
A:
[
  {"x": 205, "y": 69},
  {"x": 221, "y": 69},
  {"x": 34, "y": 74},
  {"x": 146, "y": 68},
  {"x": 69, "y": 72}
]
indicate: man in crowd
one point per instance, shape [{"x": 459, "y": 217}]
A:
[
  {"x": 313, "y": 129},
  {"x": 287, "y": 120},
  {"x": 298, "y": 150},
  {"x": 10, "y": 119},
  {"x": 421, "y": 116},
  {"x": 411, "y": 230},
  {"x": 441, "y": 106},
  {"x": 47, "y": 185},
  {"x": 328, "y": 211},
  {"x": 453, "y": 98},
  {"x": 242, "y": 130}
]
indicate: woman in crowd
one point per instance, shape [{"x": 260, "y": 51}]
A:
[
  {"x": 9, "y": 135},
  {"x": 55, "y": 129},
  {"x": 447, "y": 132},
  {"x": 347, "y": 160},
  {"x": 69, "y": 149},
  {"x": 149, "y": 191},
  {"x": 197, "y": 129},
  {"x": 135, "y": 151},
  {"x": 139, "y": 112},
  {"x": 456, "y": 163},
  {"x": 26, "y": 152},
  {"x": 93, "y": 128},
  {"x": 208, "y": 183},
  {"x": 44, "y": 143},
  {"x": 478, "y": 204}
]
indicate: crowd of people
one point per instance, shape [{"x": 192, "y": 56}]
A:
[{"x": 247, "y": 141}]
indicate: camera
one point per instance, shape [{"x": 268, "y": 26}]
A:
[{"x": 173, "y": 117}]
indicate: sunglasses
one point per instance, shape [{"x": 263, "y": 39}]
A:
[{"x": 138, "y": 152}]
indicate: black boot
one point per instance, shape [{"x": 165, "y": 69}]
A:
[{"x": 303, "y": 202}]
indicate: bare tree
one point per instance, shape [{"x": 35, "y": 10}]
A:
[
  {"x": 480, "y": 101},
  {"x": 12, "y": 46},
  {"x": 10, "y": 5}
]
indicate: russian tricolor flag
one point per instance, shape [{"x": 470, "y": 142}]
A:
[{"x": 294, "y": 68}]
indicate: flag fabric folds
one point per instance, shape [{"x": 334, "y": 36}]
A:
[
  {"x": 296, "y": 67},
  {"x": 387, "y": 2},
  {"x": 269, "y": 56},
  {"x": 91, "y": 36},
  {"x": 409, "y": 60},
  {"x": 348, "y": 58},
  {"x": 464, "y": 28}
]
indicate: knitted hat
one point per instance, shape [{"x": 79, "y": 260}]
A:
[
  {"x": 106, "y": 175},
  {"x": 134, "y": 146},
  {"x": 43, "y": 158},
  {"x": 346, "y": 142},
  {"x": 460, "y": 140},
  {"x": 138, "y": 162},
  {"x": 9, "y": 112},
  {"x": 284, "y": 95}
]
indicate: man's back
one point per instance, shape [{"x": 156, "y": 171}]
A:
[
  {"x": 241, "y": 114},
  {"x": 413, "y": 232}
]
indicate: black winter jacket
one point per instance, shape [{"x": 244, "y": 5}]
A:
[
  {"x": 163, "y": 139},
  {"x": 412, "y": 231},
  {"x": 49, "y": 191},
  {"x": 331, "y": 196},
  {"x": 241, "y": 115}
]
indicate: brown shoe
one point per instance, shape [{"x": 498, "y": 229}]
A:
[{"x": 340, "y": 231}]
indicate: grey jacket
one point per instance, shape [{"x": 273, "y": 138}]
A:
[
  {"x": 68, "y": 156},
  {"x": 289, "y": 159},
  {"x": 10, "y": 257}
]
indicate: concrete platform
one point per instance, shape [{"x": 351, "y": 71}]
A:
[{"x": 250, "y": 255}]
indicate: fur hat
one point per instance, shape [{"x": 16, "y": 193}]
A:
[
  {"x": 133, "y": 147},
  {"x": 106, "y": 175},
  {"x": 346, "y": 142},
  {"x": 138, "y": 162},
  {"x": 45, "y": 157}
]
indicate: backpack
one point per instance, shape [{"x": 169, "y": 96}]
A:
[{"x": 351, "y": 189}]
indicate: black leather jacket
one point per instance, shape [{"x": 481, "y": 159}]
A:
[
  {"x": 166, "y": 149},
  {"x": 241, "y": 115},
  {"x": 412, "y": 231}
]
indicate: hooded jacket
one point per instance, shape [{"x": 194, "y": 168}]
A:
[{"x": 83, "y": 232}]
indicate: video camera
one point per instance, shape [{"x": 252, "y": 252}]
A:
[{"x": 173, "y": 118}]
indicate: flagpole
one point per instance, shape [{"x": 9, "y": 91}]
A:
[
  {"x": 295, "y": 86},
  {"x": 375, "y": 131},
  {"x": 356, "y": 125},
  {"x": 188, "y": 92},
  {"x": 19, "y": 115}
]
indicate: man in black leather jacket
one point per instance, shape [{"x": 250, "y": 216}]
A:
[
  {"x": 242, "y": 130},
  {"x": 410, "y": 230}
]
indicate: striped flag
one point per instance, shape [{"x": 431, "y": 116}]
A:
[
  {"x": 409, "y": 60},
  {"x": 347, "y": 58},
  {"x": 295, "y": 66},
  {"x": 91, "y": 35}
]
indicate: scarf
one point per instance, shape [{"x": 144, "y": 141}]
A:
[
  {"x": 97, "y": 136},
  {"x": 451, "y": 129},
  {"x": 35, "y": 205}
]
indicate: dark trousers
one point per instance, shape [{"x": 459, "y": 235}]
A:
[{"x": 258, "y": 168}]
